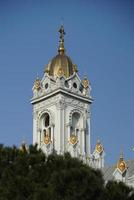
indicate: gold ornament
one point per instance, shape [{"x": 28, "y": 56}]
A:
[
  {"x": 37, "y": 84},
  {"x": 75, "y": 69},
  {"x": 85, "y": 83},
  {"x": 121, "y": 166},
  {"x": 99, "y": 147},
  {"x": 47, "y": 139},
  {"x": 60, "y": 72},
  {"x": 73, "y": 139}
]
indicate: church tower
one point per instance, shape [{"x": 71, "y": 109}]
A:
[{"x": 61, "y": 107}]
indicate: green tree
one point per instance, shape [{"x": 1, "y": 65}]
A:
[
  {"x": 30, "y": 175},
  {"x": 117, "y": 190}
]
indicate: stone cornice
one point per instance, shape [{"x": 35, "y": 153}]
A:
[{"x": 62, "y": 91}]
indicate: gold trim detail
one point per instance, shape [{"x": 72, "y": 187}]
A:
[
  {"x": 99, "y": 147},
  {"x": 47, "y": 140},
  {"x": 60, "y": 72},
  {"x": 121, "y": 165},
  {"x": 73, "y": 139}
]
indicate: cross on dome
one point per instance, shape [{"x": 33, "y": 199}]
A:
[{"x": 61, "y": 48}]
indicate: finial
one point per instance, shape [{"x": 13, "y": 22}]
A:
[
  {"x": 121, "y": 154},
  {"x": 85, "y": 82},
  {"x": 37, "y": 83},
  {"x": 61, "y": 48},
  {"x": 121, "y": 165}
]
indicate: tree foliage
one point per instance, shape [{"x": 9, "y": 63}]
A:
[{"x": 30, "y": 175}]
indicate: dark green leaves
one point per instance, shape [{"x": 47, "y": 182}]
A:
[{"x": 30, "y": 175}]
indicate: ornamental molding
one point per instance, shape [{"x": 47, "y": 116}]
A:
[
  {"x": 61, "y": 101},
  {"x": 60, "y": 104},
  {"x": 76, "y": 103},
  {"x": 47, "y": 103},
  {"x": 72, "y": 112},
  {"x": 64, "y": 92}
]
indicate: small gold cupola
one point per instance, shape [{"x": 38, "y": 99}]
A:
[
  {"x": 121, "y": 164},
  {"x": 99, "y": 147},
  {"x": 85, "y": 82},
  {"x": 37, "y": 84},
  {"x": 61, "y": 64}
]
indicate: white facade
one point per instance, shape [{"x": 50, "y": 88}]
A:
[
  {"x": 61, "y": 115},
  {"x": 62, "y": 110}
]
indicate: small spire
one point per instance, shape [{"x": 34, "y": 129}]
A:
[
  {"x": 61, "y": 48},
  {"x": 121, "y": 154}
]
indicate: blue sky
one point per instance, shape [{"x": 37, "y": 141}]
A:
[{"x": 99, "y": 39}]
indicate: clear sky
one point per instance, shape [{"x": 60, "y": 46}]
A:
[{"x": 99, "y": 39}]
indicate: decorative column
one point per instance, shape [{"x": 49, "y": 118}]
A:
[
  {"x": 67, "y": 136},
  {"x": 83, "y": 141},
  {"x": 60, "y": 125},
  {"x": 39, "y": 136},
  {"x": 52, "y": 137},
  {"x": 35, "y": 127},
  {"x": 88, "y": 150}
]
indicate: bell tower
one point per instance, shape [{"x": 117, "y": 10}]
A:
[{"x": 61, "y": 107}]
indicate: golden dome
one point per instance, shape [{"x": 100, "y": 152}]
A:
[
  {"x": 61, "y": 64},
  {"x": 99, "y": 147}
]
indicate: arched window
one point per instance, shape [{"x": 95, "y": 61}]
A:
[
  {"x": 75, "y": 123},
  {"x": 46, "y": 129},
  {"x": 46, "y": 120},
  {"x": 75, "y": 120}
]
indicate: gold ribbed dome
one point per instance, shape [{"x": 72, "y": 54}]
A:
[{"x": 61, "y": 64}]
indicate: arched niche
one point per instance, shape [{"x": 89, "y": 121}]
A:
[
  {"x": 45, "y": 123},
  {"x": 75, "y": 120}
]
